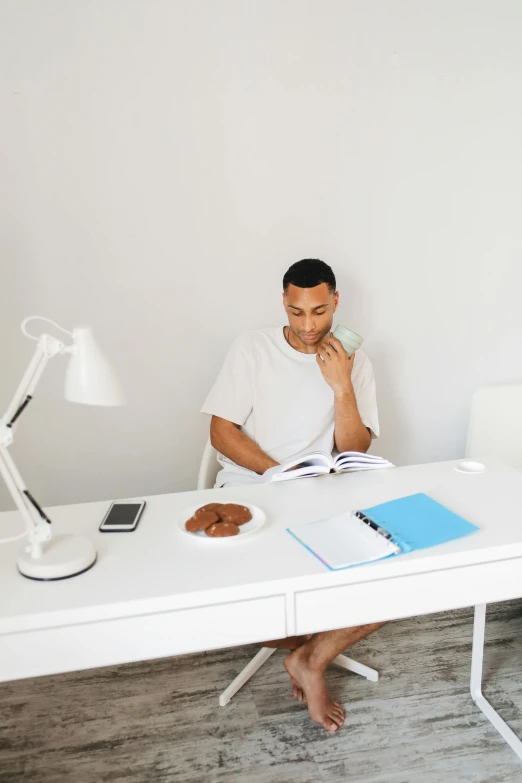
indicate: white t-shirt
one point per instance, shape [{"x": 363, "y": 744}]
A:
[{"x": 280, "y": 399}]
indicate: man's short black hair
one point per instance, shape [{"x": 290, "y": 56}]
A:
[{"x": 308, "y": 273}]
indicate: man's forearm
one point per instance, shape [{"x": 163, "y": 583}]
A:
[
  {"x": 350, "y": 432},
  {"x": 228, "y": 439}
]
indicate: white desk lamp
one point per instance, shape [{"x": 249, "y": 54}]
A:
[{"x": 89, "y": 380}]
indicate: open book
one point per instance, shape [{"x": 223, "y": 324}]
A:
[{"x": 319, "y": 462}]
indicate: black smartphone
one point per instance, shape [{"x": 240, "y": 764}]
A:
[{"x": 122, "y": 517}]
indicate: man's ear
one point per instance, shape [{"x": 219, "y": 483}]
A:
[{"x": 336, "y": 300}]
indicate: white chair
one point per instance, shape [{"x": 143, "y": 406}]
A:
[
  {"x": 495, "y": 424},
  {"x": 495, "y": 430},
  {"x": 206, "y": 480},
  {"x": 209, "y": 467}
]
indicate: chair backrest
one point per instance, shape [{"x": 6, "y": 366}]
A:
[
  {"x": 209, "y": 467},
  {"x": 495, "y": 424}
]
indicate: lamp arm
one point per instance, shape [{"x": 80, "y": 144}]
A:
[
  {"x": 39, "y": 530},
  {"x": 25, "y": 384},
  {"x": 46, "y": 348},
  {"x": 35, "y": 520}
]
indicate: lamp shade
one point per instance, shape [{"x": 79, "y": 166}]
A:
[{"x": 90, "y": 379}]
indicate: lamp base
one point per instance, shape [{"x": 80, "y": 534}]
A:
[{"x": 63, "y": 557}]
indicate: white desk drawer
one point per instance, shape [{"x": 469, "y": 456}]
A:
[
  {"x": 345, "y": 606},
  {"x": 70, "y": 648}
]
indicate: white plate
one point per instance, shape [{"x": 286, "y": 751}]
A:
[
  {"x": 257, "y": 522},
  {"x": 470, "y": 466}
]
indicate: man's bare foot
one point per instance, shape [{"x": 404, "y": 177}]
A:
[
  {"x": 311, "y": 681},
  {"x": 290, "y": 643},
  {"x": 297, "y": 690}
]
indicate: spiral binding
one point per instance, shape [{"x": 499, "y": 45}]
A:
[{"x": 377, "y": 529}]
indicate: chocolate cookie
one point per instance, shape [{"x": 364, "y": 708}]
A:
[
  {"x": 222, "y": 529},
  {"x": 232, "y": 512},
  {"x": 209, "y": 507},
  {"x": 201, "y": 521}
]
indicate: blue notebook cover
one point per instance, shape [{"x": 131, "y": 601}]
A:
[{"x": 418, "y": 522}]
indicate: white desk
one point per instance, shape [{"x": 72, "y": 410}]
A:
[{"x": 156, "y": 592}]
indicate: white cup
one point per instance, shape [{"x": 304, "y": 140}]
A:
[{"x": 351, "y": 341}]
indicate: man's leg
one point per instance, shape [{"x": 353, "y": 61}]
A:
[
  {"x": 306, "y": 666},
  {"x": 290, "y": 643}
]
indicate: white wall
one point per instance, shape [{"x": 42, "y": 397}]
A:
[{"x": 163, "y": 163}]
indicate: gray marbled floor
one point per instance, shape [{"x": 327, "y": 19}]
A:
[{"x": 160, "y": 722}]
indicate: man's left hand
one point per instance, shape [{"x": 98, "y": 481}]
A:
[{"x": 335, "y": 365}]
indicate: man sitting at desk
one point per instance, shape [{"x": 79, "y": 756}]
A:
[{"x": 282, "y": 393}]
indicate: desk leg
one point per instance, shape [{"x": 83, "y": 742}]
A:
[{"x": 477, "y": 656}]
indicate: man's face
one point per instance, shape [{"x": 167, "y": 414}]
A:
[{"x": 310, "y": 312}]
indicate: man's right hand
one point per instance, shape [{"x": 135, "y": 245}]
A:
[{"x": 230, "y": 441}]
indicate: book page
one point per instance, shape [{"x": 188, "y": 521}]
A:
[
  {"x": 303, "y": 470},
  {"x": 314, "y": 464},
  {"x": 347, "y": 467},
  {"x": 353, "y": 460},
  {"x": 343, "y": 541}
]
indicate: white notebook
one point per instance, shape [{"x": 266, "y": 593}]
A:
[{"x": 345, "y": 540}]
